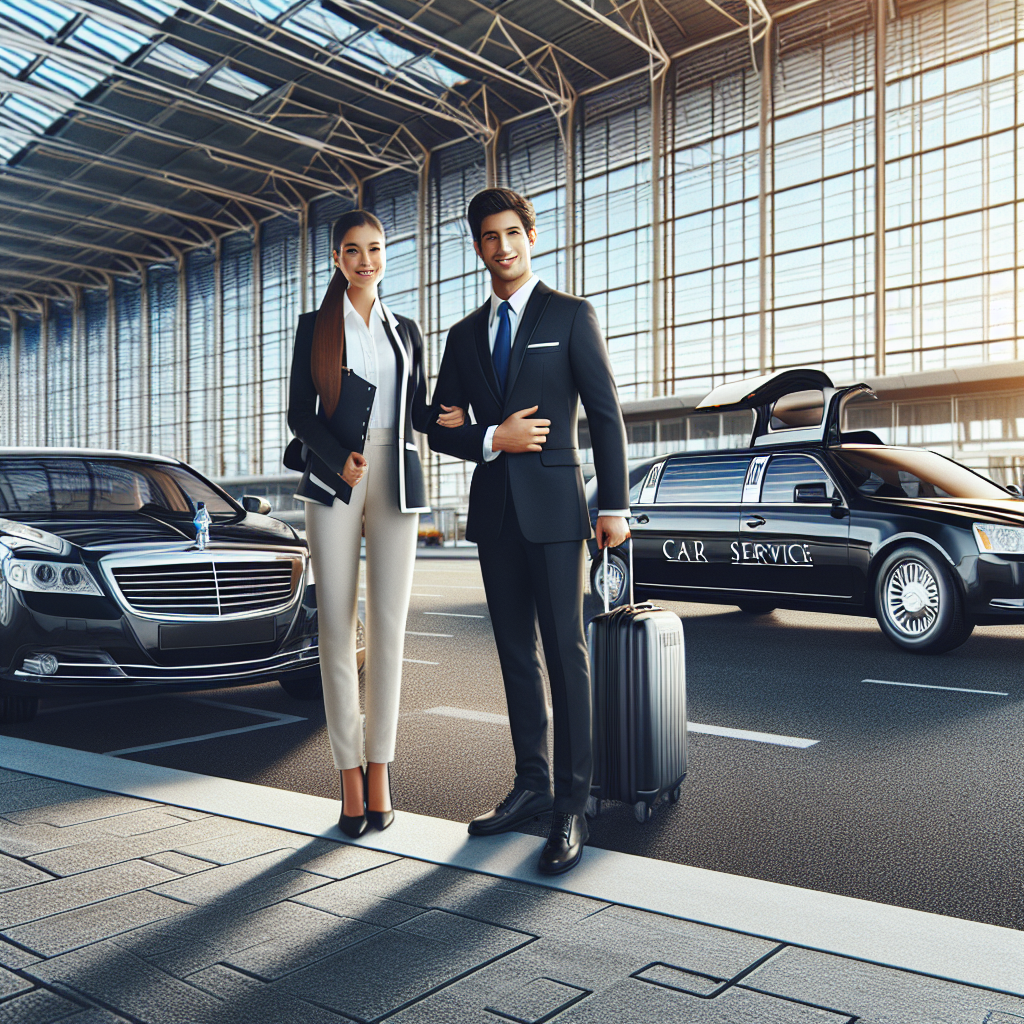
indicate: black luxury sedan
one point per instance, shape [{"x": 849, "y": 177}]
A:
[
  {"x": 813, "y": 518},
  {"x": 123, "y": 572}
]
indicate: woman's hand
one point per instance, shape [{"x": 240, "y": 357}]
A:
[
  {"x": 355, "y": 467},
  {"x": 452, "y": 416}
]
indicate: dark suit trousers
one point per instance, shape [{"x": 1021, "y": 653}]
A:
[{"x": 528, "y": 585}]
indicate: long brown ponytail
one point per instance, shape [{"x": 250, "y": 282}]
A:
[{"x": 328, "y": 353}]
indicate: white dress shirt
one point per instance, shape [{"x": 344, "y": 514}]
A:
[
  {"x": 369, "y": 353},
  {"x": 517, "y": 300}
]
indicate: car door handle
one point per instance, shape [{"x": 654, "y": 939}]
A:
[
  {"x": 641, "y": 520},
  {"x": 755, "y": 521}
]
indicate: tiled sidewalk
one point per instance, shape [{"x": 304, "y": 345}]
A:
[{"x": 114, "y": 908}]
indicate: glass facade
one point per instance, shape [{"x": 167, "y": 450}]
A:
[{"x": 756, "y": 251}]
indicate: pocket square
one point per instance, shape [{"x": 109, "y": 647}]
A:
[{"x": 544, "y": 344}]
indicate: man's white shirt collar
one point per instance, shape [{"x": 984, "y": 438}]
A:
[{"x": 517, "y": 300}]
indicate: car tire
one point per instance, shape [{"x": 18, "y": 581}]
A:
[
  {"x": 756, "y": 607},
  {"x": 618, "y": 574},
  {"x": 918, "y": 602},
  {"x": 18, "y": 709}
]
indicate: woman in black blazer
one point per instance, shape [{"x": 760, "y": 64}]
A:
[{"x": 381, "y": 489}]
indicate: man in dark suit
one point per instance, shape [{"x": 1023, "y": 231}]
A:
[{"x": 522, "y": 362}]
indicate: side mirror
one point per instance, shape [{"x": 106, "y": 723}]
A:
[
  {"x": 1015, "y": 490},
  {"x": 810, "y": 494},
  {"x": 251, "y": 503}
]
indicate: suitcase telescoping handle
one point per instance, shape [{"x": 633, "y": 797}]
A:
[{"x": 604, "y": 588}]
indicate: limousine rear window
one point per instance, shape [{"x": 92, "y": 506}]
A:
[
  {"x": 786, "y": 471},
  {"x": 905, "y": 473},
  {"x": 703, "y": 480}
]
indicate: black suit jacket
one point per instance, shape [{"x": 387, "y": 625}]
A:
[
  {"x": 558, "y": 358},
  {"x": 327, "y": 456}
]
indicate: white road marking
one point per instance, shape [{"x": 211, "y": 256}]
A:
[
  {"x": 457, "y": 615},
  {"x": 475, "y": 716},
  {"x": 443, "y": 636},
  {"x": 278, "y": 719},
  {"x": 713, "y": 730},
  {"x": 458, "y": 586},
  {"x": 928, "y": 686},
  {"x": 416, "y": 661},
  {"x": 757, "y": 737}
]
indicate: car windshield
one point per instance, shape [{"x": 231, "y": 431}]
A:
[
  {"x": 906, "y": 473},
  {"x": 85, "y": 485}
]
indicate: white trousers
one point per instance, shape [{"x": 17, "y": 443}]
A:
[{"x": 333, "y": 533}]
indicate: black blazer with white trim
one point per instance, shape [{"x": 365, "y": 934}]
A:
[{"x": 325, "y": 454}]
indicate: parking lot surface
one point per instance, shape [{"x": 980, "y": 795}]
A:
[{"x": 820, "y": 755}]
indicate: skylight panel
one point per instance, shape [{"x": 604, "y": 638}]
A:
[
  {"x": 267, "y": 9},
  {"x": 156, "y": 10},
  {"x": 437, "y": 72},
  {"x": 11, "y": 62},
  {"x": 375, "y": 45},
  {"x": 178, "y": 62},
  {"x": 54, "y": 74},
  {"x": 321, "y": 26},
  {"x": 43, "y": 17},
  {"x": 28, "y": 115},
  {"x": 8, "y": 148},
  {"x": 235, "y": 82},
  {"x": 118, "y": 43}
]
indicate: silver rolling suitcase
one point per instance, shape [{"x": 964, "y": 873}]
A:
[{"x": 638, "y": 686}]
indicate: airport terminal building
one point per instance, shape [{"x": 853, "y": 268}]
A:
[{"x": 737, "y": 187}]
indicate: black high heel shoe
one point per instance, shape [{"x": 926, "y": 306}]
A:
[
  {"x": 381, "y": 819},
  {"x": 353, "y": 825}
]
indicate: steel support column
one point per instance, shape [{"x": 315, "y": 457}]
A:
[
  {"x": 15, "y": 410},
  {"x": 569, "y": 154},
  {"x": 881, "y": 16},
  {"x": 657, "y": 221},
  {"x": 111, "y": 365},
  {"x": 182, "y": 397},
  {"x": 43, "y": 436},
  {"x": 256, "y": 420},
  {"x": 218, "y": 465},
  {"x": 765, "y": 357},
  {"x": 145, "y": 363}
]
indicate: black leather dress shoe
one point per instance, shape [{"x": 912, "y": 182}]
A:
[
  {"x": 520, "y": 805},
  {"x": 565, "y": 843}
]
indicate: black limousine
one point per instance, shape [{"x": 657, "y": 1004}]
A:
[
  {"x": 814, "y": 518},
  {"x": 123, "y": 572}
]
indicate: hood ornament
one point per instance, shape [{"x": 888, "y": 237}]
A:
[{"x": 201, "y": 522}]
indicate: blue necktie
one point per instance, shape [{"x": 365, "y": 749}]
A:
[{"x": 502, "y": 346}]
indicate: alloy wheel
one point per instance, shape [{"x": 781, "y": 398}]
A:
[{"x": 912, "y": 598}]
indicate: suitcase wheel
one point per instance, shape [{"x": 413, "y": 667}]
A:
[
  {"x": 642, "y": 811},
  {"x": 594, "y": 807},
  {"x": 673, "y": 797}
]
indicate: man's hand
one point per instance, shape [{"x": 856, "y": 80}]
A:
[
  {"x": 611, "y": 531},
  {"x": 355, "y": 467},
  {"x": 519, "y": 433},
  {"x": 453, "y": 416}
]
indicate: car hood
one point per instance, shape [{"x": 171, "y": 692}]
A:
[
  {"x": 1008, "y": 511},
  {"x": 139, "y": 528}
]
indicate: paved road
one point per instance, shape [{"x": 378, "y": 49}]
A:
[{"x": 909, "y": 794}]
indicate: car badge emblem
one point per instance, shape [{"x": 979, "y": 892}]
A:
[{"x": 202, "y": 524}]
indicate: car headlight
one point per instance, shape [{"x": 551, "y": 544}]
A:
[
  {"x": 14, "y": 535},
  {"x": 999, "y": 540},
  {"x": 48, "y": 577}
]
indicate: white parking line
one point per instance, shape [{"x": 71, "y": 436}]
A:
[
  {"x": 443, "y": 636},
  {"x": 457, "y": 615},
  {"x": 713, "y": 730},
  {"x": 278, "y": 719},
  {"x": 416, "y": 661},
  {"x": 757, "y": 737},
  {"x": 929, "y": 686},
  {"x": 475, "y": 716}
]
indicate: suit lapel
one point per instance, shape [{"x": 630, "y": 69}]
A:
[
  {"x": 532, "y": 314},
  {"x": 402, "y": 366},
  {"x": 483, "y": 350}
]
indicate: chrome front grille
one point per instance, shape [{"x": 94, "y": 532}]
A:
[{"x": 193, "y": 586}]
